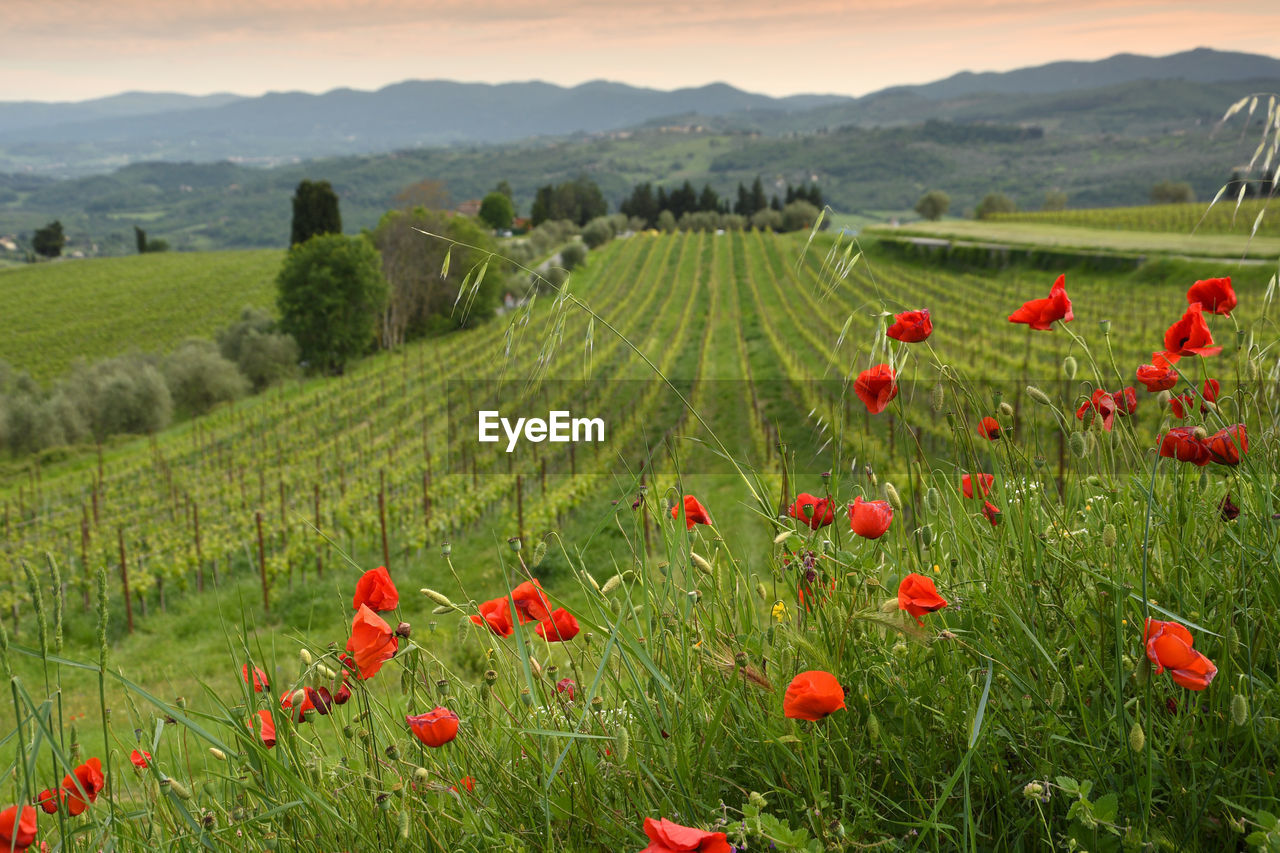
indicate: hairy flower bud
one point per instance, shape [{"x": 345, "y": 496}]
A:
[
  {"x": 1006, "y": 411},
  {"x": 937, "y": 397},
  {"x": 1109, "y": 535},
  {"x": 1039, "y": 396},
  {"x": 1239, "y": 709},
  {"x": 892, "y": 496},
  {"x": 1079, "y": 445},
  {"x": 1137, "y": 737},
  {"x": 438, "y": 597},
  {"x": 1069, "y": 367}
]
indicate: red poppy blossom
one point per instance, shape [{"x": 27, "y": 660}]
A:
[
  {"x": 434, "y": 728},
  {"x": 260, "y": 684},
  {"x": 668, "y": 837},
  {"x": 870, "y": 519},
  {"x": 376, "y": 591},
  {"x": 992, "y": 512},
  {"x": 1126, "y": 400},
  {"x": 918, "y": 595},
  {"x": 1101, "y": 402},
  {"x": 266, "y": 728},
  {"x": 694, "y": 512},
  {"x": 875, "y": 387},
  {"x": 372, "y": 642},
  {"x": 1227, "y": 509},
  {"x": 559, "y": 627},
  {"x": 1210, "y": 394},
  {"x": 567, "y": 686},
  {"x": 1226, "y": 446},
  {"x": 140, "y": 759},
  {"x": 305, "y": 700},
  {"x": 82, "y": 789},
  {"x": 1183, "y": 444},
  {"x": 812, "y": 510},
  {"x": 496, "y": 613},
  {"x": 1040, "y": 314},
  {"x": 530, "y": 602},
  {"x": 18, "y": 828},
  {"x": 467, "y": 782},
  {"x": 911, "y": 327},
  {"x": 984, "y": 484},
  {"x": 48, "y": 801},
  {"x": 989, "y": 428},
  {"x": 817, "y": 596},
  {"x": 1157, "y": 378},
  {"x": 1189, "y": 336},
  {"x": 1169, "y": 647},
  {"x": 1215, "y": 295},
  {"x": 344, "y": 692},
  {"x": 812, "y": 695},
  {"x": 1182, "y": 405}
]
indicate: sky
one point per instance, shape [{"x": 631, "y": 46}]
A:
[{"x": 58, "y": 50}]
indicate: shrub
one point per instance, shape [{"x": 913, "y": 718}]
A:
[
  {"x": 933, "y": 205},
  {"x": 766, "y": 220},
  {"x": 121, "y": 395},
  {"x": 199, "y": 377},
  {"x": 598, "y": 232},
  {"x": 263, "y": 354},
  {"x": 994, "y": 203},
  {"x": 799, "y": 216},
  {"x": 572, "y": 255}
]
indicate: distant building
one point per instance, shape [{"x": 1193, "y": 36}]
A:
[{"x": 470, "y": 207}]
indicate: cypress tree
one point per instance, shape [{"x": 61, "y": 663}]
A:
[{"x": 315, "y": 211}]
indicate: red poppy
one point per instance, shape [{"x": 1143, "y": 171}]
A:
[
  {"x": 870, "y": 519},
  {"x": 1189, "y": 336},
  {"x": 989, "y": 428},
  {"x": 1169, "y": 647},
  {"x": 1182, "y": 405},
  {"x": 48, "y": 801},
  {"x": 911, "y": 327},
  {"x": 259, "y": 678},
  {"x": 467, "y": 782},
  {"x": 266, "y": 728},
  {"x": 668, "y": 837},
  {"x": 83, "y": 789},
  {"x": 1101, "y": 402},
  {"x": 344, "y": 692},
  {"x": 434, "y": 728},
  {"x": 694, "y": 512},
  {"x": 1183, "y": 444},
  {"x": 1126, "y": 400},
  {"x": 984, "y": 484},
  {"x": 496, "y": 613},
  {"x": 1228, "y": 509},
  {"x": 1040, "y": 313},
  {"x": 812, "y": 695},
  {"x": 812, "y": 510},
  {"x": 917, "y": 595},
  {"x": 1215, "y": 295},
  {"x": 992, "y": 512},
  {"x": 18, "y": 828},
  {"x": 301, "y": 702},
  {"x": 1226, "y": 446},
  {"x": 1157, "y": 378},
  {"x": 559, "y": 627},
  {"x": 1210, "y": 395},
  {"x": 876, "y": 387},
  {"x": 567, "y": 686},
  {"x": 531, "y": 604},
  {"x": 814, "y": 596},
  {"x": 372, "y": 642},
  {"x": 376, "y": 591},
  {"x": 140, "y": 759}
]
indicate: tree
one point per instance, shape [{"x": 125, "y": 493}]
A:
[
  {"x": 315, "y": 211},
  {"x": 641, "y": 203},
  {"x": 933, "y": 205},
  {"x": 140, "y": 239},
  {"x": 329, "y": 294},
  {"x": 426, "y": 193},
  {"x": 49, "y": 240},
  {"x": 799, "y": 216},
  {"x": 1055, "y": 200},
  {"x": 993, "y": 203},
  {"x": 1169, "y": 192},
  {"x": 496, "y": 211},
  {"x": 505, "y": 188}
]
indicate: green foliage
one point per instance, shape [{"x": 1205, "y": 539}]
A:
[
  {"x": 993, "y": 204},
  {"x": 330, "y": 292},
  {"x": 598, "y": 232},
  {"x": 767, "y": 220},
  {"x": 572, "y": 255},
  {"x": 199, "y": 377},
  {"x": 315, "y": 211},
  {"x": 1054, "y": 200},
  {"x": 578, "y": 201},
  {"x": 799, "y": 215},
  {"x": 127, "y": 394},
  {"x": 263, "y": 354},
  {"x": 140, "y": 239},
  {"x": 933, "y": 205},
  {"x": 497, "y": 211},
  {"x": 1172, "y": 192},
  {"x": 49, "y": 240}
]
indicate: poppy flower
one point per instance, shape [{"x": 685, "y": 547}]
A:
[
  {"x": 434, "y": 728},
  {"x": 83, "y": 789},
  {"x": 48, "y": 801},
  {"x": 870, "y": 519},
  {"x": 344, "y": 692},
  {"x": 1183, "y": 444},
  {"x": 1169, "y": 647},
  {"x": 992, "y": 512},
  {"x": 911, "y": 327},
  {"x": 875, "y": 387},
  {"x": 300, "y": 702},
  {"x": 266, "y": 728},
  {"x": 567, "y": 686},
  {"x": 1226, "y": 446},
  {"x": 812, "y": 695},
  {"x": 917, "y": 595},
  {"x": 1227, "y": 509},
  {"x": 1215, "y": 295},
  {"x": 1157, "y": 378},
  {"x": 814, "y": 596},
  {"x": 18, "y": 828},
  {"x": 372, "y": 642},
  {"x": 1101, "y": 402},
  {"x": 1039, "y": 314},
  {"x": 140, "y": 759},
  {"x": 376, "y": 591},
  {"x": 812, "y": 510},
  {"x": 530, "y": 602},
  {"x": 984, "y": 484},
  {"x": 668, "y": 837},
  {"x": 260, "y": 684},
  {"x": 1182, "y": 405},
  {"x": 559, "y": 627},
  {"x": 694, "y": 512},
  {"x": 1126, "y": 400},
  {"x": 1189, "y": 336},
  {"x": 467, "y": 782},
  {"x": 496, "y": 613},
  {"x": 989, "y": 428},
  {"x": 1210, "y": 394}
]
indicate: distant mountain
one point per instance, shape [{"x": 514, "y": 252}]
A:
[{"x": 18, "y": 116}]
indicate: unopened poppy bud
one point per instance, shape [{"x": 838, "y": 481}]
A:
[
  {"x": 539, "y": 553},
  {"x": 592, "y": 581},
  {"x": 873, "y": 727},
  {"x": 781, "y": 537},
  {"x": 933, "y": 499},
  {"x": 622, "y": 740},
  {"x": 1032, "y": 790},
  {"x": 181, "y": 702},
  {"x": 892, "y": 496},
  {"x": 1204, "y": 480},
  {"x": 1137, "y": 737},
  {"x": 305, "y": 657},
  {"x": 515, "y": 543},
  {"x": 694, "y": 595},
  {"x": 1109, "y": 535},
  {"x": 1039, "y": 396},
  {"x": 611, "y": 584},
  {"x": 937, "y": 397},
  {"x": 1006, "y": 411},
  {"x": 326, "y": 671},
  {"x": 1163, "y": 398},
  {"x": 1057, "y": 695},
  {"x": 1239, "y": 709},
  {"x": 700, "y": 562},
  {"x": 348, "y": 732},
  {"x": 421, "y": 776},
  {"x": 926, "y": 536},
  {"x": 1079, "y": 445},
  {"x": 445, "y": 549},
  {"x": 490, "y": 676},
  {"x": 1069, "y": 367},
  {"x": 588, "y": 638},
  {"x": 1199, "y": 433},
  {"x": 535, "y": 667},
  {"x": 404, "y": 824},
  {"x": 217, "y": 753},
  {"x": 762, "y": 592},
  {"x": 438, "y": 597},
  {"x": 175, "y": 787}
]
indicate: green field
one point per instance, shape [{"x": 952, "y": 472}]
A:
[
  {"x": 96, "y": 308},
  {"x": 1223, "y": 217},
  {"x": 1033, "y": 674}
]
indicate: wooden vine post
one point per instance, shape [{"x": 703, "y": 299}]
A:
[
  {"x": 124, "y": 582},
  {"x": 262, "y": 563}
]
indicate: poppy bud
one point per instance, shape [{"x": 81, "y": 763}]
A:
[
  {"x": 421, "y": 776},
  {"x": 762, "y": 592},
  {"x": 1069, "y": 367},
  {"x": 217, "y": 753},
  {"x": 1057, "y": 695},
  {"x": 622, "y": 740},
  {"x": 1006, "y": 411},
  {"x": 926, "y": 536},
  {"x": 437, "y": 597},
  {"x": 181, "y": 702},
  {"x": 1137, "y": 737},
  {"x": 701, "y": 562},
  {"x": 539, "y": 553},
  {"x": 404, "y": 824},
  {"x": 1239, "y": 709},
  {"x": 403, "y": 630},
  {"x": 305, "y": 657},
  {"x": 175, "y": 787},
  {"x": 1079, "y": 445},
  {"x": 535, "y": 667},
  {"x": 873, "y": 727},
  {"x": 1109, "y": 536},
  {"x": 1039, "y": 396},
  {"x": 445, "y": 550},
  {"x": 348, "y": 732},
  {"x": 611, "y": 584},
  {"x": 932, "y": 499},
  {"x": 588, "y": 637},
  {"x": 891, "y": 494},
  {"x": 1104, "y": 326},
  {"x": 937, "y": 397}
]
